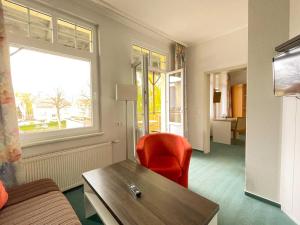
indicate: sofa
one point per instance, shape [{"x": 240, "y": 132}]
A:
[{"x": 37, "y": 203}]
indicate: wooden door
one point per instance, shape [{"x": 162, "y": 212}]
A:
[{"x": 238, "y": 98}]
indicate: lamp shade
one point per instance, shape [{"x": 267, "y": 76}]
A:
[{"x": 126, "y": 92}]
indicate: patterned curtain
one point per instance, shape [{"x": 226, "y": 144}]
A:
[
  {"x": 10, "y": 150},
  {"x": 180, "y": 56}
]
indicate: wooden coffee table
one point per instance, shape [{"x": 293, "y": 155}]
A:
[{"x": 162, "y": 201}]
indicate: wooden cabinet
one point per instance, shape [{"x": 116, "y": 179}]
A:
[{"x": 238, "y": 100}]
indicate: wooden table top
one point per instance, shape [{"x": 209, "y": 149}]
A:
[{"x": 162, "y": 201}]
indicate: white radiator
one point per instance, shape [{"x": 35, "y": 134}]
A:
[{"x": 66, "y": 167}]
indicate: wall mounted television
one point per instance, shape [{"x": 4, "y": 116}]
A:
[{"x": 286, "y": 74}]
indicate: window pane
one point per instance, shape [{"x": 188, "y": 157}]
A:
[
  {"x": 16, "y": 18},
  {"x": 16, "y": 27},
  {"x": 83, "y": 38},
  {"x": 136, "y": 53},
  {"x": 66, "y": 40},
  {"x": 40, "y": 26},
  {"x": 15, "y": 11},
  {"x": 65, "y": 28},
  {"x": 155, "y": 62},
  {"x": 139, "y": 102},
  {"x": 83, "y": 45},
  {"x": 40, "y": 19},
  {"x": 155, "y": 85},
  {"x": 175, "y": 98},
  {"x": 84, "y": 34},
  {"x": 145, "y": 51},
  {"x": 158, "y": 61},
  {"x": 48, "y": 101},
  {"x": 42, "y": 34}
]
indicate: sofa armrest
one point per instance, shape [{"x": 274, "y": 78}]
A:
[{"x": 26, "y": 191}]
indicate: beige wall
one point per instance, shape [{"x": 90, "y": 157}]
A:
[
  {"x": 268, "y": 27},
  {"x": 290, "y": 152},
  {"x": 238, "y": 77},
  {"x": 116, "y": 40},
  {"x": 218, "y": 54}
]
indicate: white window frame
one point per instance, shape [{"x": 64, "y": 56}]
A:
[{"x": 36, "y": 138}]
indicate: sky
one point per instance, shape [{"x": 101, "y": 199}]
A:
[{"x": 42, "y": 74}]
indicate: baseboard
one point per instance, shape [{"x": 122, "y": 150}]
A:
[
  {"x": 198, "y": 150},
  {"x": 263, "y": 199},
  {"x": 73, "y": 188}
]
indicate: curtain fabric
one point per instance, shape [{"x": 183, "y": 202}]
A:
[
  {"x": 10, "y": 150},
  {"x": 179, "y": 56}
]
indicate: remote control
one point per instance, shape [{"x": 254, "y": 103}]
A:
[{"x": 135, "y": 190}]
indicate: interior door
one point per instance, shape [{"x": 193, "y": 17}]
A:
[{"x": 175, "y": 102}]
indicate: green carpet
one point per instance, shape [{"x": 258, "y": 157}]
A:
[
  {"x": 75, "y": 197},
  {"x": 219, "y": 176}
]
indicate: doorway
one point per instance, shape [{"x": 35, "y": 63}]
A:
[{"x": 226, "y": 101}]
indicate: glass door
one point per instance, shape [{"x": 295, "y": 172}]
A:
[
  {"x": 175, "y": 102},
  {"x": 150, "y": 106},
  {"x": 156, "y": 96},
  {"x": 140, "y": 74}
]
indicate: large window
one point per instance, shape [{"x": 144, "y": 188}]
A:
[{"x": 54, "y": 72}]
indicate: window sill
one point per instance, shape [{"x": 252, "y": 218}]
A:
[{"x": 57, "y": 140}]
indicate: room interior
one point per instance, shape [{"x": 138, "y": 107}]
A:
[
  {"x": 116, "y": 112},
  {"x": 228, "y": 105}
]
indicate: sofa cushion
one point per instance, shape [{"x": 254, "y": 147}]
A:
[
  {"x": 26, "y": 191},
  {"x": 3, "y": 195},
  {"x": 166, "y": 166},
  {"x": 51, "y": 208}
]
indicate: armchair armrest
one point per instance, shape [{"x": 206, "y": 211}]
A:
[{"x": 184, "y": 160}]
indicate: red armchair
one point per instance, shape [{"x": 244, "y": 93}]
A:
[{"x": 166, "y": 154}]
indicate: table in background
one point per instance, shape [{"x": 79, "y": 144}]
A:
[{"x": 221, "y": 130}]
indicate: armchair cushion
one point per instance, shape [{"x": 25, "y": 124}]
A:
[{"x": 166, "y": 166}]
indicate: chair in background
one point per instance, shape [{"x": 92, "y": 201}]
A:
[
  {"x": 239, "y": 127},
  {"x": 166, "y": 154}
]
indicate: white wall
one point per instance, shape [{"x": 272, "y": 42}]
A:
[
  {"x": 264, "y": 110},
  {"x": 215, "y": 55},
  {"x": 116, "y": 40},
  {"x": 238, "y": 77},
  {"x": 290, "y": 155}
]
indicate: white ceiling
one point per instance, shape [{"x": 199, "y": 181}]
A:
[{"x": 189, "y": 21}]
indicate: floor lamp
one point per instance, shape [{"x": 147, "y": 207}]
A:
[{"x": 126, "y": 92}]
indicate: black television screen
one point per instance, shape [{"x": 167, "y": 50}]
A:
[{"x": 286, "y": 72}]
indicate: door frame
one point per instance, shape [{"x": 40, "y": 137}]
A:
[{"x": 206, "y": 96}]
